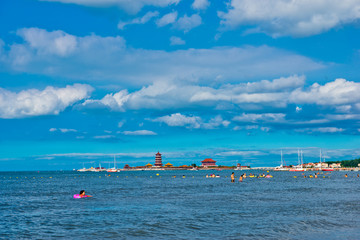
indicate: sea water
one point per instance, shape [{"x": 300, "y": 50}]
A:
[{"x": 157, "y": 205}]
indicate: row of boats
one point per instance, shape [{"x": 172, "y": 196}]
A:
[{"x": 299, "y": 167}]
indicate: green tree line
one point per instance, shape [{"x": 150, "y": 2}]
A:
[{"x": 347, "y": 163}]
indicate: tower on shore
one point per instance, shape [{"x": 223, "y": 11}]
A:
[{"x": 158, "y": 161}]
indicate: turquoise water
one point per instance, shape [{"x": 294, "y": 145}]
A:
[{"x": 142, "y": 205}]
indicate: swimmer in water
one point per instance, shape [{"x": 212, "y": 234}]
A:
[
  {"x": 81, "y": 195},
  {"x": 241, "y": 178},
  {"x": 346, "y": 175},
  {"x": 232, "y": 177}
]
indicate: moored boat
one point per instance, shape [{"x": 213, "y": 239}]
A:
[{"x": 328, "y": 169}]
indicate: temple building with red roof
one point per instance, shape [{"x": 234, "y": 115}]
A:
[{"x": 208, "y": 162}]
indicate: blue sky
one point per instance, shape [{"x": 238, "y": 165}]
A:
[{"x": 235, "y": 80}]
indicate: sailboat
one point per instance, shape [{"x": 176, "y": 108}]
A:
[
  {"x": 82, "y": 169},
  {"x": 328, "y": 169},
  {"x": 281, "y": 167},
  {"x": 299, "y": 168},
  {"x": 100, "y": 169},
  {"x": 114, "y": 168}
]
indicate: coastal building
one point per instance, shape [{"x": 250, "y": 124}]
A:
[
  {"x": 148, "y": 165},
  {"x": 158, "y": 160},
  {"x": 208, "y": 162},
  {"x": 335, "y": 165},
  {"x": 322, "y": 165},
  {"x": 169, "y": 165},
  {"x": 127, "y": 167},
  {"x": 309, "y": 165}
]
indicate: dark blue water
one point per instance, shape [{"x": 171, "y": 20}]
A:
[{"x": 142, "y": 205}]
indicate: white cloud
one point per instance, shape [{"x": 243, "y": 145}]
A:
[
  {"x": 338, "y": 92},
  {"x": 167, "y": 95},
  {"x": 215, "y": 123},
  {"x": 265, "y": 129},
  {"x": 241, "y": 153},
  {"x": 176, "y": 41},
  {"x": 186, "y": 23},
  {"x": 200, "y": 4},
  {"x": 33, "y": 102},
  {"x": 167, "y": 19},
  {"x": 144, "y": 19},
  {"x": 108, "y": 59},
  {"x": 295, "y": 18},
  {"x": 132, "y": 6},
  {"x": 121, "y": 123},
  {"x": 139, "y": 133},
  {"x": 298, "y": 109},
  {"x": 250, "y": 127},
  {"x": 322, "y": 130},
  {"x": 66, "y": 130},
  {"x": 179, "y": 120},
  {"x": 56, "y": 42},
  {"x": 113, "y": 101},
  {"x": 63, "y": 130},
  {"x": 265, "y": 117},
  {"x": 104, "y": 137}
]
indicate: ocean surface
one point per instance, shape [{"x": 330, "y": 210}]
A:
[{"x": 144, "y": 205}]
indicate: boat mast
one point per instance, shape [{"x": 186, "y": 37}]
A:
[
  {"x": 320, "y": 160},
  {"x": 298, "y": 157},
  {"x": 282, "y": 163}
]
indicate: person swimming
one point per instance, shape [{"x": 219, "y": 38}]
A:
[
  {"x": 232, "y": 177},
  {"x": 81, "y": 195},
  {"x": 241, "y": 178}
]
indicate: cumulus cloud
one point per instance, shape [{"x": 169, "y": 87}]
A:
[
  {"x": 33, "y": 102},
  {"x": 266, "y": 117},
  {"x": 63, "y": 130},
  {"x": 144, "y": 19},
  {"x": 108, "y": 58},
  {"x": 216, "y": 122},
  {"x": 104, "y": 137},
  {"x": 295, "y": 18},
  {"x": 167, "y": 19},
  {"x": 322, "y": 130},
  {"x": 200, "y": 4},
  {"x": 132, "y": 6},
  {"x": 168, "y": 95},
  {"x": 245, "y": 153},
  {"x": 139, "y": 133},
  {"x": 338, "y": 92},
  {"x": 186, "y": 23},
  {"x": 56, "y": 42},
  {"x": 176, "y": 41},
  {"x": 282, "y": 103},
  {"x": 179, "y": 120}
]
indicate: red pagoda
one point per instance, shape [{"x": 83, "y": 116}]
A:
[
  {"x": 158, "y": 161},
  {"x": 208, "y": 162}
]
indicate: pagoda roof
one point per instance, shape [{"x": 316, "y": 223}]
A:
[
  {"x": 208, "y": 160},
  {"x": 148, "y": 165},
  {"x": 168, "y": 164}
]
